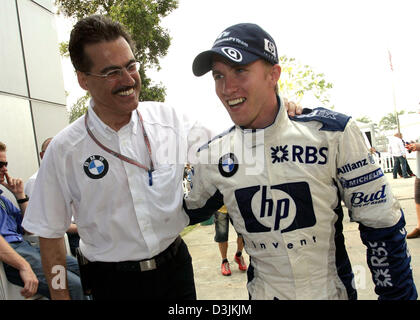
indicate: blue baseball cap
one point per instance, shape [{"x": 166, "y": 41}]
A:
[{"x": 241, "y": 44}]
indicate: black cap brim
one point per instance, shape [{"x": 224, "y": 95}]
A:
[{"x": 203, "y": 63}]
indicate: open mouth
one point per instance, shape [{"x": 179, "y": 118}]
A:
[
  {"x": 235, "y": 102},
  {"x": 125, "y": 92}
]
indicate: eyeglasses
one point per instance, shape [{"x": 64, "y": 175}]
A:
[
  {"x": 117, "y": 74},
  {"x": 3, "y": 164}
]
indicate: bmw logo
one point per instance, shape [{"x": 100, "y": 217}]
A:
[
  {"x": 95, "y": 167},
  {"x": 228, "y": 165}
]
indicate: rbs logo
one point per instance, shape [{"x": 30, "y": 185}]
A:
[{"x": 292, "y": 209}]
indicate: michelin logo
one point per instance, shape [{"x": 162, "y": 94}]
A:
[{"x": 368, "y": 177}]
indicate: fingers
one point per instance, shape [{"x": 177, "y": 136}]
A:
[
  {"x": 15, "y": 185},
  {"x": 292, "y": 108},
  {"x": 31, "y": 286},
  {"x": 29, "y": 290}
]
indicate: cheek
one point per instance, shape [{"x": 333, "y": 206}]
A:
[{"x": 218, "y": 90}]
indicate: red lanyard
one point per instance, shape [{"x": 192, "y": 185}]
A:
[{"x": 125, "y": 158}]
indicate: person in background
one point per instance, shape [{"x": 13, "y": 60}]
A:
[
  {"x": 221, "y": 225},
  {"x": 22, "y": 261},
  {"x": 397, "y": 150},
  {"x": 416, "y": 147}
]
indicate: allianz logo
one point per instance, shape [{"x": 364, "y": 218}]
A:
[{"x": 352, "y": 166}]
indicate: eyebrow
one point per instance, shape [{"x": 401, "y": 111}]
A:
[{"x": 113, "y": 67}]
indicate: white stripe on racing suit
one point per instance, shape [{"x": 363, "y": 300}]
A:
[{"x": 283, "y": 186}]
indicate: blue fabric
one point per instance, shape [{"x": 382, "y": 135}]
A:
[
  {"x": 331, "y": 120},
  {"x": 202, "y": 214},
  {"x": 10, "y": 220},
  {"x": 33, "y": 256},
  {"x": 389, "y": 261}
]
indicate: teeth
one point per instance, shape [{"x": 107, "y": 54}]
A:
[
  {"x": 126, "y": 93},
  {"x": 236, "y": 101}
]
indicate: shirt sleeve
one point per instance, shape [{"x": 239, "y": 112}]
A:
[
  {"x": 370, "y": 201},
  {"x": 49, "y": 213},
  {"x": 204, "y": 199}
]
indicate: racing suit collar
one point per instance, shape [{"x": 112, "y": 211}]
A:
[{"x": 255, "y": 137}]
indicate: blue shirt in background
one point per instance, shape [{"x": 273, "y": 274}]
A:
[{"x": 10, "y": 220}]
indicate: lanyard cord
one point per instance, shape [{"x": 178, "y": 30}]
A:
[{"x": 122, "y": 157}]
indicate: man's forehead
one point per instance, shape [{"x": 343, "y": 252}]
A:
[
  {"x": 218, "y": 58},
  {"x": 109, "y": 52}
]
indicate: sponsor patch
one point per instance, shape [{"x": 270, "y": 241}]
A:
[
  {"x": 358, "y": 181},
  {"x": 361, "y": 199},
  {"x": 291, "y": 209},
  {"x": 232, "y": 54},
  {"x": 96, "y": 167},
  {"x": 228, "y": 165},
  {"x": 301, "y": 154},
  {"x": 352, "y": 166}
]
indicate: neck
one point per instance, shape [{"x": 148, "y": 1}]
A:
[
  {"x": 114, "y": 121},
  {"x": 269, "y": 115}
]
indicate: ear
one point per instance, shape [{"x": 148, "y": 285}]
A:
[
  {"x": 82, "y": 78},
  {"x": 275, "y": 73}
]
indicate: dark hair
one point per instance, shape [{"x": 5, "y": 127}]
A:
[
  {"x": 91, "y": 30},
  {"x": 2, "y": 147}
]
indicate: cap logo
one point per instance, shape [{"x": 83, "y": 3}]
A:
[
  {"x": 223, "y": 34},
  {"x": 270, "y": 47},
  {"x": 232, "y": 53}
]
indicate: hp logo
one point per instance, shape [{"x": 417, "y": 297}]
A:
[{"x": 290, "y": 210}]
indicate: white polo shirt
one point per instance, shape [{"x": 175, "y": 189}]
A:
[{"x": 119, "y": 215}]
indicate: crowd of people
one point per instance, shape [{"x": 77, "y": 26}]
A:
[{"x": 280, "y": 176}]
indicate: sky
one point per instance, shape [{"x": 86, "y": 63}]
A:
[{"x": 347, "y": 41}]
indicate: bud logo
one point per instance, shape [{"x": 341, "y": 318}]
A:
[
  {"x": 359, "y": 199},
  {"x": 291, "y": 210}
]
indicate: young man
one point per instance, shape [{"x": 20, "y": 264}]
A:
[
  {"x": 282, "y": 180},
  {"x": 22, "y": 260}
]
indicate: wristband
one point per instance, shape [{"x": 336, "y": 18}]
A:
[{"x": 23, "y": 200}]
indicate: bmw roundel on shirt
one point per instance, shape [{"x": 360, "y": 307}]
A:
[
  {"x": 228, "y": 165},
  {"x": 96, "y": 167}
]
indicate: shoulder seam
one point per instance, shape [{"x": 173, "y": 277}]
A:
[{"x": 217, "y": 137}]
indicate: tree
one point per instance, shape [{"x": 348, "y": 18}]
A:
[
  {"x": 364, "y": 119},
  {"x": 389, "y": 122},
  {"x": 298, "y": 80},
  {"x": 142, "y": 19}
]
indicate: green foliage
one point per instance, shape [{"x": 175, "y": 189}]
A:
[
  {"x": 364, "y": 119},
  {"x": 79, "y": 108},
  {"x": 389, "y": 122},
  {"x": 297, "y": 80},
  {"x": 142, "y": 19}
]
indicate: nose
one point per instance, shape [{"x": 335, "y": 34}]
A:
[
  {"x": 128, "y": 78},
  {"x": 230, "y": 85}
]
